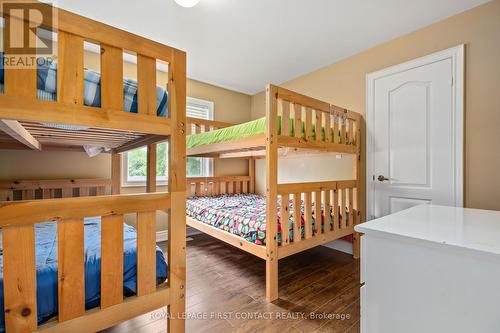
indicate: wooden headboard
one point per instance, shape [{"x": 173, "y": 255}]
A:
[{"x": 56, "y": 188}]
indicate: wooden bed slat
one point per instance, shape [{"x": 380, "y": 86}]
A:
[
  {"x": 84, "y": 191},
  {"x": 327, "y": 214},
  {"x": 297, "y": 111},
  {"x": 67, "y": 192},
  {"x": 285, "y": 219},
  {"x": 70, "y": 269},
  {"x": 297, "y": 227},
  {"x": 335, "y": 210},
  {"x": 111, "y": 260},
  {"x": 47, "y": 193},
  {"x": 307, "y": 125},
  {"x": 70, "y": 84},
  {"x": 19, "y": 278},
  {"x": 28, "y": 194},
  {"x": 100, "y": 190},
  {"x": 317, "y": 213},
  {"x": 343, "y": 131},
  {"x": 328, "y": 133},
  {"x": 285, "y": 117},
  {"x": 343, "y": 207},
  {"x": 197, "y": 189},
  {"x": 146, "y": 253},
  {"x": 318, "y": 125},
  {"x": 308, "y": 215},
  {"x": 111, "y": 77},
  {"x": 336, "y": 127},
  {"x": 351, "y": 131},
  {"x": 146, "y": 85}
]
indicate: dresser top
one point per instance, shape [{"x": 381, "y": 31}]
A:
[{"x": 472, "y": 229}]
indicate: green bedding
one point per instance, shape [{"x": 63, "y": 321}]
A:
[{"x": 245, "y": 130}]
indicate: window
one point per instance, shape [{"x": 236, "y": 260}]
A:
[{"x": 134, "y": 162}]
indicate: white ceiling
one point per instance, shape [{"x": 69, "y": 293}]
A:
[{"x": 245, "y": 44}]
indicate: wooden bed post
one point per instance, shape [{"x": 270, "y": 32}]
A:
[
  {"x": 356, "y": 244},
  {"x": 116, "y": 173},
  {"x": 19, "y": 241},
  {"x": 151, "y": 169},
  {"x": 271, "y": 194},
  {"x": 177, "y": 189},
  {"x": 251, "y": 173}
]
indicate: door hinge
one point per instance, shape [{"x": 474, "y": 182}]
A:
[{"x": 452, "y": 81}]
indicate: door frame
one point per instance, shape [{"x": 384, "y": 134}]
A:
[{"x": 456, "y": 54}]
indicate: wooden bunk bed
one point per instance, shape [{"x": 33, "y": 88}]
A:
[
  {"x": 340, "y": 133},
  {"x": 24, "y": 204}
]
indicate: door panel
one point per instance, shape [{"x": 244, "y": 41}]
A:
[
  {"x": 413, "y": 138},
  {"x": 408, "y": 134}
]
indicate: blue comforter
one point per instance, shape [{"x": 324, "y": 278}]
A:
[
  {"x": 46, "y": 266},
  {"x": 47, "y": 88}
]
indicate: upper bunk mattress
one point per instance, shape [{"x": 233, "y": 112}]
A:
[
  {"x": 47, "y": 89},
  {"x": 46, "y": 266},
  {"x": 245, "y": 130},
  {"x": 243, "y": 215}
]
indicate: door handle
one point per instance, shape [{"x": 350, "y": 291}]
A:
[{"x": 382, "y": 178}]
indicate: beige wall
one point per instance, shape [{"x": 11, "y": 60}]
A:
[
  {"x": 230, "y": 107},
  {"x": 343, "y": 83}
]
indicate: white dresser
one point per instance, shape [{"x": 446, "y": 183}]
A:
[{"x": 431, "y": 269}]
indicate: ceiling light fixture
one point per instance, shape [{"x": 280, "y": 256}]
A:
[{"x": 187, "y": 3}]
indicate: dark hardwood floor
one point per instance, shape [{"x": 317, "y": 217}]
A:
[{"x": 319, "y": 292}]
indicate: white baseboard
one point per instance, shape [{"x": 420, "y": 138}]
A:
[
  {"x": 340, "y": 245},
  {"x": 161, "y": 236}
]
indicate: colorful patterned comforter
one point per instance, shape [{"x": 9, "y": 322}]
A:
[{"x": 243, "y": 215}]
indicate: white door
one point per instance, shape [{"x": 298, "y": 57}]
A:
[{"x": 414, "y": 151}]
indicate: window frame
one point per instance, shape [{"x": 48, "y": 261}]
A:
[{"x": 207, "y": 163}]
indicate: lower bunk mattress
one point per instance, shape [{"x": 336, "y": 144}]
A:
[
  {"x": 243, "y": 215},
  {"x": 46, "y": 266}
]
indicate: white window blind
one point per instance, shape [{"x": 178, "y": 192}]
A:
[{"x": 199, "y": 108}]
